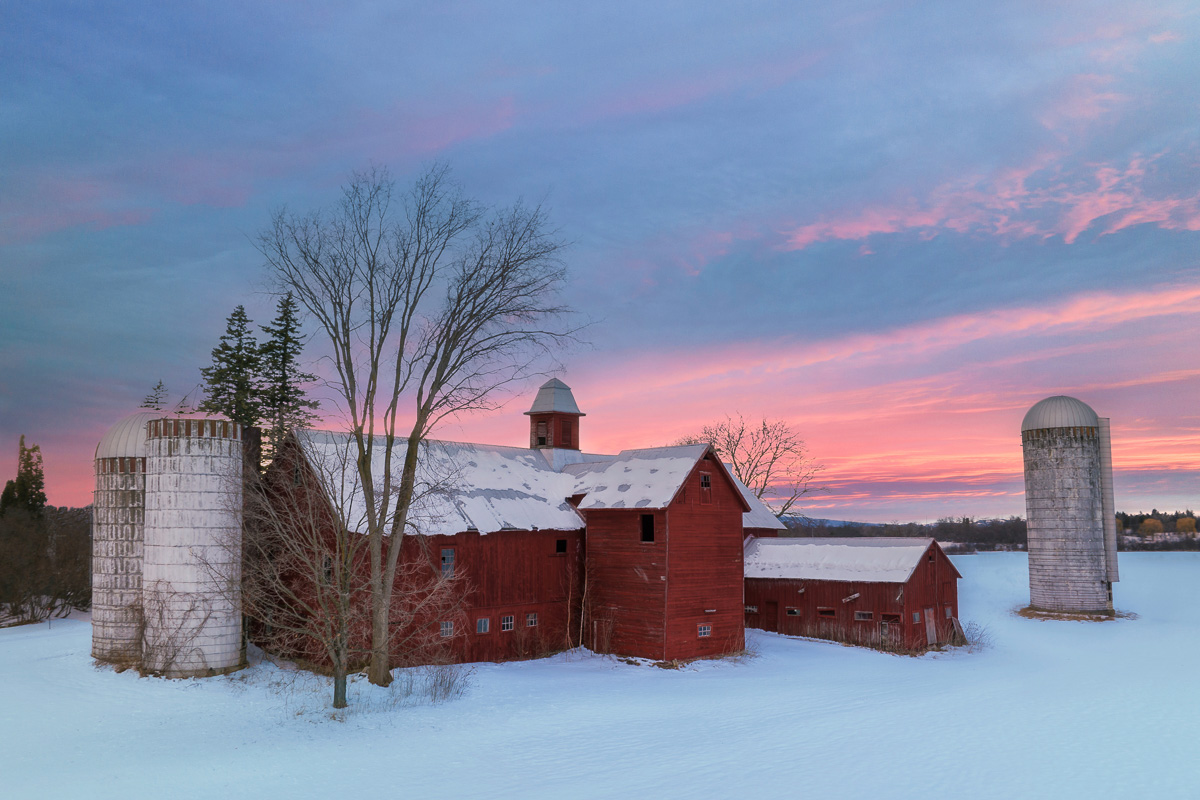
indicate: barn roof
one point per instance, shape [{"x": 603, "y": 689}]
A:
[
  {"x": 868, "y": 559},
  {"x": 493, "y": 488},
  {"x": 759, "y": 516}
]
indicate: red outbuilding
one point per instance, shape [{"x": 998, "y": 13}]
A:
[{"x": 889, "y": 593}]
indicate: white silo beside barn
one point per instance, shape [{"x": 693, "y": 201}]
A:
[
  {"x": 191, "y": 570},
  {"x": 118, "y": 506},
  {"x": 1069, "y": 507}
]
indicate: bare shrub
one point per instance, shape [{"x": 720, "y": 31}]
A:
[{"x": 978, "y": 636}]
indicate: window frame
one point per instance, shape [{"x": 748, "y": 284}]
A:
[
  {"x": 446, "y": 628},
  {"x": 531, "y": 619},
  {"x": 705, "y": 488},
  {"x": 703, "y": 630},
  {"x": 483, "y": 625},
  {"x": 864, "y": 616},
  {"x": 507, "y": 622},
  {"x": 448, "y": 564},
  {"x": 827, "y": 612},
  {"x": 648, "y": 530}
]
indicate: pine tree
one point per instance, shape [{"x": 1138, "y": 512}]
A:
[
  {"x": 231, "y": 383},
  {"x": 284, "y": 404},
  {"x": 156, "y": 399},
  {"x": 28, "y": 490}
]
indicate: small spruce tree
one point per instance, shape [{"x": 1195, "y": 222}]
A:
[
  {"x": 283, "y": 401},
  {"x": 156, "y": 399},
  {"x": 231, "y": 384},
  {"x": 28, "y": 490}
]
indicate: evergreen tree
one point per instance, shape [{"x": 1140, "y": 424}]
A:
[
  {"x": 231, "y": 383},
  {"x": 156, "y": 399},
  {"x": 28, "y": 491},
  {"x": 284, "y": 405}
]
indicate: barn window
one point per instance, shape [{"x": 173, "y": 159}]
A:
[
  {"x": 947, "y": 612},
  {"x": 751, "y": 609},
  {"x": 447, "y": 561},
  {"x": 541, "y": 434},
  {"x": 930, "y": 559},
  {"x": 447, "y": 628},
  {"x": 705, "y": 488},
  {"x": 864, "y": 616},
  {"x": 647, "y": 527},
  {"x": 506, "y": 623},
  {"x": 531, "y": 619},
  {"x": 560, "y": 545},
  {"x": 795, "y": 612},
  {"x": 890, "y": 617},
  {"x": 916, "y": 617},
  {"x": 483, "y": 624},
  {"x": 825, "y": 612},
  {"x": 327, "y": 571},
  {"x": 703, "y": 630}
]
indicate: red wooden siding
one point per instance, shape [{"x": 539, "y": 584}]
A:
[
  {"x": 562, "y": 430},
  {"x": 626, "y": 583},
  {"x": 933, "y": 584},
  {"x": 511, "y": 573}
]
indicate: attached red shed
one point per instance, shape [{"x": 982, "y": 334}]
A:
[{"x": 889, "y": 593}]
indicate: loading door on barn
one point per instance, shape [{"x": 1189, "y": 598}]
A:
[
  {"x": 930, "y": 627},
  {"x": 770, "y": 616}
]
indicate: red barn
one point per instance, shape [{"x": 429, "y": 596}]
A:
[
  {"x": 638, "y": 553},
  {"x": 890, "y": 593}
]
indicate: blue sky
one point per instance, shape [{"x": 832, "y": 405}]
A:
[{"x": 896, "y": 228}]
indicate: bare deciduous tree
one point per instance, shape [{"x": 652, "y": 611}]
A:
[
  {"x": 425, "y": 300},
  {"x": 768, "y": 456}
]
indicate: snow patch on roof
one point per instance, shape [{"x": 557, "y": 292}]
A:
[
  {"x": 635, "y": 478},
  {"x": 869, "y": 559}
]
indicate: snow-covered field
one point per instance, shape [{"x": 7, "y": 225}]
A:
[{"x": 1052, "y": 709}]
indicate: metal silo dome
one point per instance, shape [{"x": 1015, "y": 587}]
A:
[
  {"x": 126, "y": 438},
  {"x": 1059, "y": 411}
]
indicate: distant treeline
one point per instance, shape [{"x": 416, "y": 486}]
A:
[
  {"x": 990, "y": 534},
  {"x": 45, "y": 563}
]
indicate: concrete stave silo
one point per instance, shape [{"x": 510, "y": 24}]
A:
[
  {"x": 118, "y": 508},
  {"x": 191, "y": 568},
  {"x": 1068, "y": 500}
]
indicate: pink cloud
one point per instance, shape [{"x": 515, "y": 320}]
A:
[{"x": 1005, "y": 205}]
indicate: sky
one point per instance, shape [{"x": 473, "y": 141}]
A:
[{"x": 896, "y": 228}]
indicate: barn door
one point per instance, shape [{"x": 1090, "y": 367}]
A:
[
  {"x": 770, "y": 618},
  {"x": 930, "y": 627}
]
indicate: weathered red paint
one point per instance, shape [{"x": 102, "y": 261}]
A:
[{"x": 932, "y": 585}]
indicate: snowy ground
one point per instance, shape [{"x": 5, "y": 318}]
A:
[{"x": 1053, "y": 709}]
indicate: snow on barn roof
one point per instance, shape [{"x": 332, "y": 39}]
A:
[
  {"x": 635, "y": 478},
  {"x": 554, "y": 395},
  {"x": 460, "y": 486},
  {"x": 759, "y": 516},
  {"x": 492, "y": 488},
  {"x": 869, "y": 559}
]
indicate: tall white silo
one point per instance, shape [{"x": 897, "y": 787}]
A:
[
  {"x": 192, "y": 566},
  {"x": 1069, "y": 507},
  {"x": 118, "y": 506}
]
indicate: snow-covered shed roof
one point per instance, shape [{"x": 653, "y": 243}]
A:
[
  {"x": 1059, "y": 411},
  {"x": 126, "y": 438},
  {"x": 759, "y": 516},
  {"x": 868, "y": 559},
  {"x": 554, "y": 395}
]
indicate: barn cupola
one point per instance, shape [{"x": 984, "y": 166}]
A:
[{"x": 554, "y": 417}]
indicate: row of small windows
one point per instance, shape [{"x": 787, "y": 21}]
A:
[
  {"x": 508, "y": 622},
  {"x": 859, "y": 616}
]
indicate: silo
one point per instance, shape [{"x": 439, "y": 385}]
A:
[
  {"x": 192, "y": 567},
  {"x": 1068, "y": 494},
  {"x": 117, "y": 519}
]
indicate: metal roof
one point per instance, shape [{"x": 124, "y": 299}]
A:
[
  {"x": 868, "y": 559},
  {"x": 554, "y": 395},
  {"x": 127, "y": 438},
  {"x": 1060, "y": 411}
]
